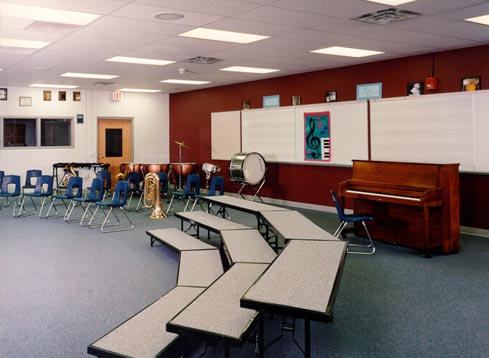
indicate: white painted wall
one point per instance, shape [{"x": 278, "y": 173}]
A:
[{"x": 150, "y": 113}]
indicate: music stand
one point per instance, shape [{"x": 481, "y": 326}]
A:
[{"x": 180, "y": 145}]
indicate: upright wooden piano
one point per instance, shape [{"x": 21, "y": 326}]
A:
[{"x": 413, "y": 204}]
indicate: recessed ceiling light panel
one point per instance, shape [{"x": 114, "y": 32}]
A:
[
  {"x": 484, "y": 20},
  {"x": 45, "y": 14},
  {"x": 139, "y": 60},
  {"x": 219, "y": 35},
  {"x": 51, "y": 85},
  {"x": 249, "y": 69},
  {"x": 5, "y": 42},
  {"x": 139, "y": 90},
  {"x": 391, "y": 2},
  {"x": 185, "y": 82},
  {"x": 346, "y": 51},
  {"x": 88, "y": 75}
]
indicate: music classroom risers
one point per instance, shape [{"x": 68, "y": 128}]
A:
[{"x": 435, "y": 128}]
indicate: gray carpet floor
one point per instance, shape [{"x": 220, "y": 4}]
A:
[{"x": 62, "y": 286}]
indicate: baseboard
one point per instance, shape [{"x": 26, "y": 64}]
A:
[{"x": 474, "y": 231}]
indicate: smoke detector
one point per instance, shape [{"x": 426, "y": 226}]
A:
[{"x": 387, "y": 16}]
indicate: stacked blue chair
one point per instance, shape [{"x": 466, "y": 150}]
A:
[
  {"x": 74, "y": 189},
  {"x": 119, "y": 200},
  {"x": 10, "y": 188},
  {"x": 192, "y": 189},
  {"x": 42, "y": 190},
  {"x": 353, "y": 218},
  {"x": 96, "y": 193},
  {"x": 2, "y": 174}
]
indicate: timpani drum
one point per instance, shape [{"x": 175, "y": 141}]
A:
[
  {"x": 183, "y": 170},
  {"x": 247, "y": 168},
  {"x": 157, "y": 168}
]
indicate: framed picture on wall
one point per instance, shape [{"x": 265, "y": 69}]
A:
[
  {"x": 76, "y": 96},
  {"x": 330, "y": 96},
  {"x": 3, "y": 94},
  {"x": 271, "y": 101},
  {"x": 369, "y": 91},
  {"x": 415, "y": 88},
  {"x": 471, "y": 83},
  {"x": 295, "y": 100},
  {"x": 46, "y": 95}
]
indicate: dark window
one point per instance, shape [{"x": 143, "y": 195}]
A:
[
  {"x": 55, "y": 132},
  {"x": 113, "y": 142},
  {"x": 19, "y": 132}
]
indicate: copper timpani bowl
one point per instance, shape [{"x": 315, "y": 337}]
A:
[{"x": 183, "y": 169}]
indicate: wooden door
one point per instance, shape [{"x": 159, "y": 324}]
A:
[{"x": 114, "y": 144}]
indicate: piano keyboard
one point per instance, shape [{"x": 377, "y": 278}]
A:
[
  {"x": 325, "y": 148},
  {"x": 383, "y": 195}
]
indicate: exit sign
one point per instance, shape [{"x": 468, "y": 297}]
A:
[{"x": 117, "y": 96}]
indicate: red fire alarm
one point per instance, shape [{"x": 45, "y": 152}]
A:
[{"x": 431, "y": 83}]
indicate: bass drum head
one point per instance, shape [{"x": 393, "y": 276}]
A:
[{"x": 247, "y": 167}]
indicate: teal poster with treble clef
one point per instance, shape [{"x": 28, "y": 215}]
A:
[{"x": 317, "y": 141}]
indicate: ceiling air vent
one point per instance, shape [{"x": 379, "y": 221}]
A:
[
  {"x": 387, "y": 16},
  {"x": 202, "y": 60},
  {"x": 104, "y": 83}
]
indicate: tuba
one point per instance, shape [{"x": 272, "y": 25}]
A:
[
  {"x": 123, "y": 175},
  {"x": 152, "y": 196},
  {"x": 69, "y": 172}
]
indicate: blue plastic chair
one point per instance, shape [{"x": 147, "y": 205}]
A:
[
  {"x": 2, "y": 174},
  {"x": 30, "y": 179},
  {"x": 10, "y": 188},
  {"x": 192, "y": 188},
  {"x": 43, "y": 190},
  {"x": 352, "y": 218},
  {"x": 106, "y": 178},
  {"x": 119, "y": 200},
  {"x": 216, "y": 188},
  {"x": 163, "y": 183},
  {"x": 74, "y": 189},
  {"x": 134, "y": 180},
  {"x": 96, "y": 193}
]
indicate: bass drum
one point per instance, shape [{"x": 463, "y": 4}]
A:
[{"x": 247, "y": 168}]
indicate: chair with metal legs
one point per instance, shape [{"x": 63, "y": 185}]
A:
[
  {"x": 192, "y": 188},
  {"x": 31, "y": 176},
  {"x": 106, "y": 178},
  {"x": 10, "y": 189},
  {"x": 119, "y": 201},
  {"x": 43, "y": 190},
  {"x": 96, "y": 193},
  {"x": 216, "y": 188},
  {"x": 74, "y": 189},
  {"x": 134, "y": 180},
  {"x": 353, "y": 218}
]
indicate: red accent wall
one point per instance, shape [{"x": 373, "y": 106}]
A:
[{"x": 190, "y": 120}]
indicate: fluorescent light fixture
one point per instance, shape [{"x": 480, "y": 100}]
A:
[
  {"x": 88, "y": 75},
  {"x": 50, "y": 85},
  {"x": 219, "y": 35},
  {"x": 249, "y": 69},
  {"x": 346, "y": 51},
  {"x": 139, "y": 90},
  {"x": 139, "y": 60},
  {"x": 47, "y": 15},
  {"x": 4, "y": 42},
  {"x": 392, "y": 2},
  {"x": 484, "y": 20},
  {"x": 185, "y": 82}
]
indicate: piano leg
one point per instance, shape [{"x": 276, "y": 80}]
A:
[{"x": 426, "y": 211}]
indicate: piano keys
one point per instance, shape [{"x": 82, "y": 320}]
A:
[{"x": 413, "y": 204}]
